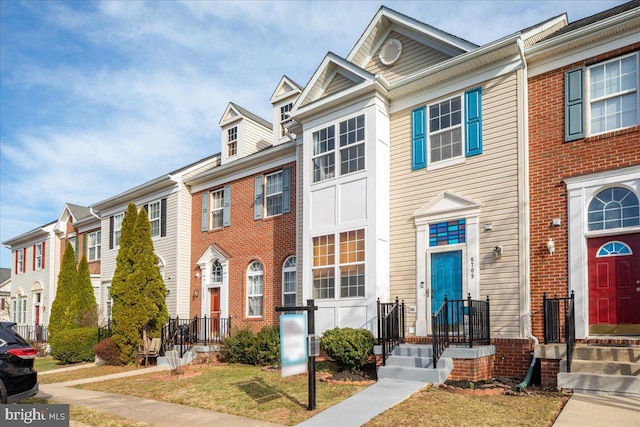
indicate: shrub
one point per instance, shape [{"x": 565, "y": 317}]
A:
[
  {"x": 107, "y": 350},
  {"x": 74, "y": 345},
  {"x": 248, "y": 348},
  {"x": 347, "y": 346},
  {"x": 268, "y": 346}
]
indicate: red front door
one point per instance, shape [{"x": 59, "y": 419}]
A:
[
  {"x": 614, "y": 284},
  {"x": 214, "y": 311}
]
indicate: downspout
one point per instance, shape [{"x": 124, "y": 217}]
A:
[{"x": 527, "y": 273}]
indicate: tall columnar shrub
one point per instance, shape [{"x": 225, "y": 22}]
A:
[
  {"x": 137, "y": 288},
  {"x": 84, "y": 309},
  {"x": 60, "y": 318},
  {"x": 349, "y": 347}
]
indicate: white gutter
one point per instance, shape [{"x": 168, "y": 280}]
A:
[{"x": 527, "y": 220}]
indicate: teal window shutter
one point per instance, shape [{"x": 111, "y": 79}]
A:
[
  {"x": 226, "y": 206},
  {"x": 205, "y": 211},
  {"x": 418, "y": 138},
  {"x": 257, "y": 205},
  {"x": 286, "y": 190},
  {"x": 473, "y": 122},
  {"x": 573, "y": 105}
]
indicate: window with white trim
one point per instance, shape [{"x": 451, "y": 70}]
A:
[
  {"x": 20, "y": 261},
  {"x": 23, "y": 309},
  {"x": 95, "y": 245},
  {"x": 613, "y": 94},
  {"x": 445, "y": 130},
  {"x": 255, "y": 286},
  {"x": 232, "y": 141},
  {"x": 216, "y": 273},
  {"x": 350, "y": 267},
  {"x": 615, "y": 207},
  {"x": 217, "y": 205},
  {"x": 273, "y": 193},
  {"x": 38, "y": 255},
  {"x": 351, "y": 153},
  {"x": 285, "y": 118},
  {"x": 154, "y": 212},
  {"x": 289, "y": 282},
  {"x": 352, "y": 264},
  {"x": 15, "y": 310},
  {"x": 117, "y": 227}
]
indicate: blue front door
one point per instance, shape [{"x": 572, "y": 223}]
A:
[{"x": 446, "y": 277}]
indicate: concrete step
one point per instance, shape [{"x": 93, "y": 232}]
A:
[
  {"x": 611, "y": 354},
  {"x": 427, "y": 375},
  {"x": 410, "y": 361},
  {"x": 171, "y": 358},
  {"x": 620, "y": 385},
  {"x": 413, "y": 350},
  {"x": 603, "y": 367}
]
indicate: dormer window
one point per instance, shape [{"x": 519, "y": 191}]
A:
[
  {"x": 232, "y": 141},
  {"x": 285, "y": 118}
]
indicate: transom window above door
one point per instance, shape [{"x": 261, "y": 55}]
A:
[
  {"x": 614, "y": 249},
  {"x": 615, "y": 207}
]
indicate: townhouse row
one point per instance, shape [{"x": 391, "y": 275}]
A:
[{"x": 419, "y": 166}]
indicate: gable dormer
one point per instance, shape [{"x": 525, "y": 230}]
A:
[
  {"x": 243, "y": 133},
  {"x": 282, "y": 100}
]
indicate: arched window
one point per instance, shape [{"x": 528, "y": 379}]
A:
[
  {"x": 161, "y": 267},
  {"x": 216, "y": 272},
  {"x": 289, "y": 282},
  {"x": 255, "y": 284},
  {"x": 614, "y": 207},
  {"x": 614, "y": 249}
]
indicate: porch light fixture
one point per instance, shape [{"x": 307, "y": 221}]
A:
[
  {"x": 197, "y": 275},
  {"x": 497, "y": 252},
  {"x": 195, "y": 293},
  {"x": 551, "y": 247},
  {"x": 488, "y": 226}
]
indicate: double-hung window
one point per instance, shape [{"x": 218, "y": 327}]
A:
[
  {"x": 232, "y": 141},
  {"x": 20, "y": 261},
  {"x": 350, "y": 155},
  {"x": 217, "y": 205},
  {"x": 154, "y": 218},
  {"x": 38, "y": 255},
  {"x": 350, "y": 269},
  {"x": 445, "y": 130},
  {"x": 95, "y": 241},
  {"x": 289, "y": 282},
  {"x": 285, "y": 118},
  {"x": 117, "y": 228},
  {"x": 613, "y": 94},
  {"x": 255, "y": 285},
  {"x": 273, "y": 193}
]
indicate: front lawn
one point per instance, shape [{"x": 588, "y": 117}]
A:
[
  {"x": 78, "y": 374},
  {"x": 47, "y": 363},
  {"x": 243, "y": 390}
]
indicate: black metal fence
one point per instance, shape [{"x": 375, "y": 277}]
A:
[
  {"x": 461, "y": 322},
  {"x": 560, "y": 322},
  {"x": 182, "y": 334},
  {"x": 105, "y": 331},
  {"x": 32, "y": 333},
  {"x": 390, "y": 326}
]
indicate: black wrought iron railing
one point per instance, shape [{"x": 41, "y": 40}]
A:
[
  {"x": 182, "y": 334},
  {"x": 570, "y": 331},
  {"x": 105, "y": 331},
  {"x": 461, "y": 322},
  {"x": 33, "y": 333},
  {"x": 560, "y": 323},
  {"x": 390, "y": 326}
]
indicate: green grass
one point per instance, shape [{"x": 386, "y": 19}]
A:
[
  {"x": 47, "y": 363},
  {"x": 243, "y": 390},
  {"x": 77, "y": 374}
]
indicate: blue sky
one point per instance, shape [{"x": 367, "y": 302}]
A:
[{"x": 98, "y": 97}]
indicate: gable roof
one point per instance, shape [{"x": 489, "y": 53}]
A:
[
  {"x": 235, "y": 112},
  {"x": 286, "y": 88}
]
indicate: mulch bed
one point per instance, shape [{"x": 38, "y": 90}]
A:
[{"x": 508, "y": 386}]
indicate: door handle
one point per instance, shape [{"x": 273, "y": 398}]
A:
[{"x": 638, "y": 289}]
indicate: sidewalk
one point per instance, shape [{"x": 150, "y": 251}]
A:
[
  {"x": 151, "y": 412},
  {"x": 593, "y": 410}
]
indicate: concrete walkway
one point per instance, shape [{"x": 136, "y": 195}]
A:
[
  {"x": 593, "y": 410},
  {"x": 151, "y": 412},
  {"x": 363, "y": 406}
]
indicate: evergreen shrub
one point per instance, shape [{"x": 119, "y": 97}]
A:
[
  {"x": 348, "y": 346},
  {"x": 74, "y": 345},
  {"x": 249, "y": 348}
]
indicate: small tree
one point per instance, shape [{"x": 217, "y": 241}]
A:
[
  {"x": 60, "y": 318},
  {"x": 84, "y": 309}
]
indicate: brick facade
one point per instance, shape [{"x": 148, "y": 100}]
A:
[
  {"x": 268, "y": 240},
  {"x": 551, "y": 160}
]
